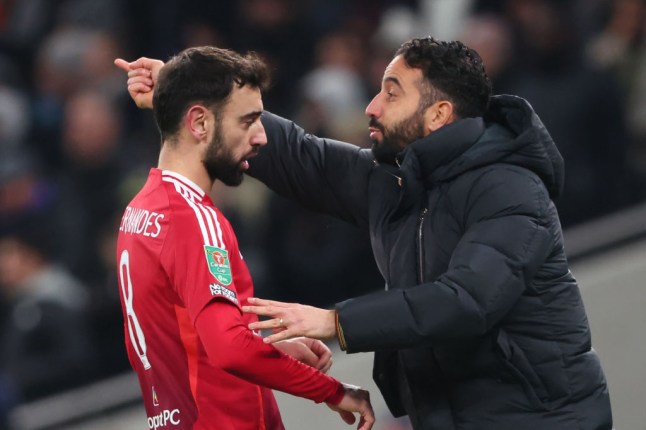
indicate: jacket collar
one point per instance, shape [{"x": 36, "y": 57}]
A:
[
  {"x": 510, "y": 132},
  {"x": 423, "y": 159}
]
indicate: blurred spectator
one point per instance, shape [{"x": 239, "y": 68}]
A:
[
  {"x": 70, "y": 59},
  {"x": 398, "y": 23},
  {"x": 91, "y": 131},
  {"x": 581, "y": 105},
  {"x": 23, "y": 25},
  {"x": 24, "y": 191},
  {"x": 334, "y": 94},
  {"x": 44, "y": 342},
  {"x": 277, "y": 30},
  {"x": 160, "y": 28},
  {"x": 105, "y": 16},
  {"x": 14, "y": 116},
  {"x": 95, "y": 180},
  {"x": 620, "y": 47},
  {"x": 445, "y": 20},
  {"x": 489, "y": 34}
]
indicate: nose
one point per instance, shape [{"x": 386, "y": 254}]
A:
[
  {"x": 374, "y": 107},
  {"x": 259, "y": 137}
]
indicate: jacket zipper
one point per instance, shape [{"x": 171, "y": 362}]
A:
[{"x": 420, "y": 245}]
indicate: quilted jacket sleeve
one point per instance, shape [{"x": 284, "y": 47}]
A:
[{"x": 324, "y": 175}]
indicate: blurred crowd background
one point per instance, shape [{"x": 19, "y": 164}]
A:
[{"x": 74, "y": 149}]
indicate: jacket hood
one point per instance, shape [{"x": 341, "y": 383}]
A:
[{"x": 510, "y": 132}]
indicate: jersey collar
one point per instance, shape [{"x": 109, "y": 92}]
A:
[{"x": 192, "y": 186}]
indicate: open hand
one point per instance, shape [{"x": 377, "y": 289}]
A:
[{"x": 291, "y": 320}]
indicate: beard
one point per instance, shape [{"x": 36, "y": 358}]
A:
[
  {"x": 220, "y": 163},
  {"x": 396, "y": 138}
]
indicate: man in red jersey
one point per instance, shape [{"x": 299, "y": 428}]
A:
[{"x": 182, "y": 277}]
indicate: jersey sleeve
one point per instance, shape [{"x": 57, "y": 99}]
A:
[
  {"x": 231, "y": 346},
  {"x": 196, "y": 258}
]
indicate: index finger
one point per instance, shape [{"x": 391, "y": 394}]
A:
[
  {"x": 122, "y": 64},
  {"x": 264, "y": 302}
]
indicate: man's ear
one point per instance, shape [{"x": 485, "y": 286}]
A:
[
  {"x": 438, "y": 114},
  {"x": 197, "y": 120}
]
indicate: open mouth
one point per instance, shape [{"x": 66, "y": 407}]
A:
[
  {"x": 244, "y": 164},
  {"x": 373, "y": 132}
]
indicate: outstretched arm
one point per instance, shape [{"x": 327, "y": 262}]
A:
[{"x": 322, "y": 174}]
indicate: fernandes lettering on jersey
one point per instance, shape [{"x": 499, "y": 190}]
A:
[{"x": 141, "y": 221}]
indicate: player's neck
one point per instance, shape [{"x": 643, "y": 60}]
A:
[{"x": 187, "y": 164}]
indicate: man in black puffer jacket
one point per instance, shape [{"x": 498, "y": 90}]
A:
[{"x": 481, "y": 326}]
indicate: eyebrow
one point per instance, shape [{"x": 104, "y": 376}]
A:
[
  {"x": 251, "y": 115},
  {"x": 395, "y": 81}
]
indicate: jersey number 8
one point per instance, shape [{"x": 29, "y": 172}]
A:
[{"x": 137, "y": 337}]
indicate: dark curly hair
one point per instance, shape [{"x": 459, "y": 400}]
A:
[
  {"x": 453, "y": 71},
  {"x": 204, "y": 75}
]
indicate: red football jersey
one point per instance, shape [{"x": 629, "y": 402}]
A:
[{"x": 176, "y": 255}]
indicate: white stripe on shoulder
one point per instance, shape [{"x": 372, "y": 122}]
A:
[
  {"x": 184, "y": 181},
  {"x": 211, "y": 225},
  {"x": 189, "y": 197},
  {"x": 214, "y": 214}
]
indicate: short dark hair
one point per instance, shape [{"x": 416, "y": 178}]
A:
[
  {"x": 453, "y": 71},
  {"x": 203, "y": 75}
]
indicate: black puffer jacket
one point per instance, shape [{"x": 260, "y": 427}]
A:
[{"x": 482, "y": 326}]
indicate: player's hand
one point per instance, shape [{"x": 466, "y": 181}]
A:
[
  {"x": 312, "y": 352},
  {"x": 355, "y": 400},
  {"x": 142, "y": 77},
  {"x": 289, "y": 320},
  {"x": 322, "y": 352}
]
